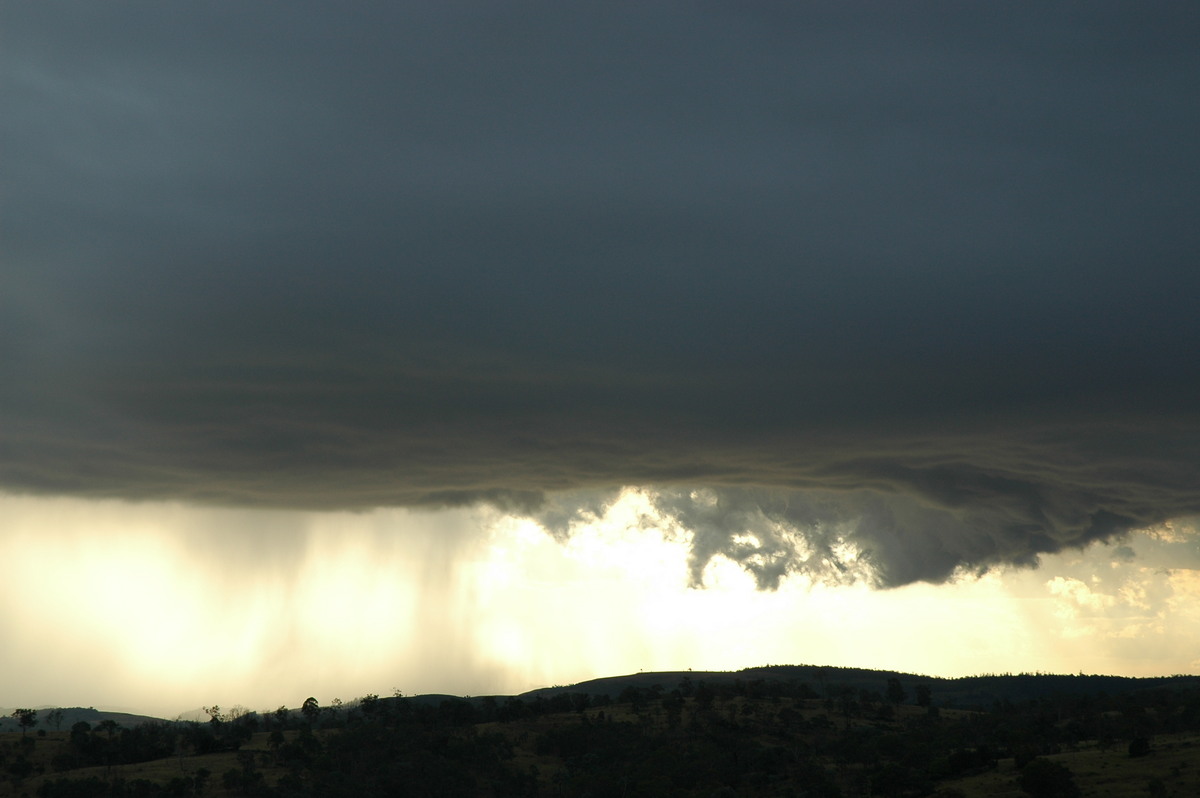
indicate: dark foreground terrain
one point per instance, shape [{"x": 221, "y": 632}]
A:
[{"x": 784, "y": 731}]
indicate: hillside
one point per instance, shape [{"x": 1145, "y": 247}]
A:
[
  {"x": 780, "y": 731},
  {"x": 969, "y": 692},
  {"x": 71, "y": 716}
]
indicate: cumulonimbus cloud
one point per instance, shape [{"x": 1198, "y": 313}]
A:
[
  {"x": 929, "y": 512},
  {"x": 920, "y": 290}
]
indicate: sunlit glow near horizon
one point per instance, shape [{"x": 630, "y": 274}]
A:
[{"x": 162, "y": 608}]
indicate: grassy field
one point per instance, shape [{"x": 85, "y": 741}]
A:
[
  {"x": 1172, "y": 768},
  {"x": 160, "y": 771}
]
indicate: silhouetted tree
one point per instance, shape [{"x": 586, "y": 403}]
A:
[
  {"x": 369, "y": 704},
  {"x": 924, "y": 695},
  {"x": 895, "y": 691},
  {"x": 109, "y": 727},
  {"x": 26, "y": 719},
  {"x": 635, "y": 697},
  {"x": 311, "y": 710},
  {"x": 55, "y": 718}
]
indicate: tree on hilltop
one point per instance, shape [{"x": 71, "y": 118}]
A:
[
  {"x": 26, "y": 719},
  {"x": 311, "y": 710}
]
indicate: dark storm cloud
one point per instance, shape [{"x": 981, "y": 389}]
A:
[{"x": 927, "y": 278}]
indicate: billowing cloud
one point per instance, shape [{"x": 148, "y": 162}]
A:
[{"x": 883, "y": 298}]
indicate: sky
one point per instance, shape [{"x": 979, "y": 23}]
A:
[{"x": 456, "y": 347}]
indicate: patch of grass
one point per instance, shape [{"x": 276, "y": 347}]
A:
[
  {"x": 159, "y": 771},
  {"x": 1174, "y": 761}
]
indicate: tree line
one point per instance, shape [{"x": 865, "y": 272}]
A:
[{"x": 755, "y": 737}]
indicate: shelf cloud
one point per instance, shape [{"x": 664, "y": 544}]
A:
[{"x": 858, "y": 296}]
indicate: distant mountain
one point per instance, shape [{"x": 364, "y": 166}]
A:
[
  {"x": 970, "y": 692},
  {"x": 71, "y": 716}
]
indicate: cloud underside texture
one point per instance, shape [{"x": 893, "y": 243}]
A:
[{"x": 828, "y": 282}]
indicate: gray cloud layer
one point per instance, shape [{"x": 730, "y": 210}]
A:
[{"x": 936, "y": 273}]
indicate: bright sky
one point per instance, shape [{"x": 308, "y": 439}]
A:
[{"x": 162, "y": 608}]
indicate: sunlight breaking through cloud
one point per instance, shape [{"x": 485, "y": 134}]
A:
[{"x": 147, "y": 601}]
